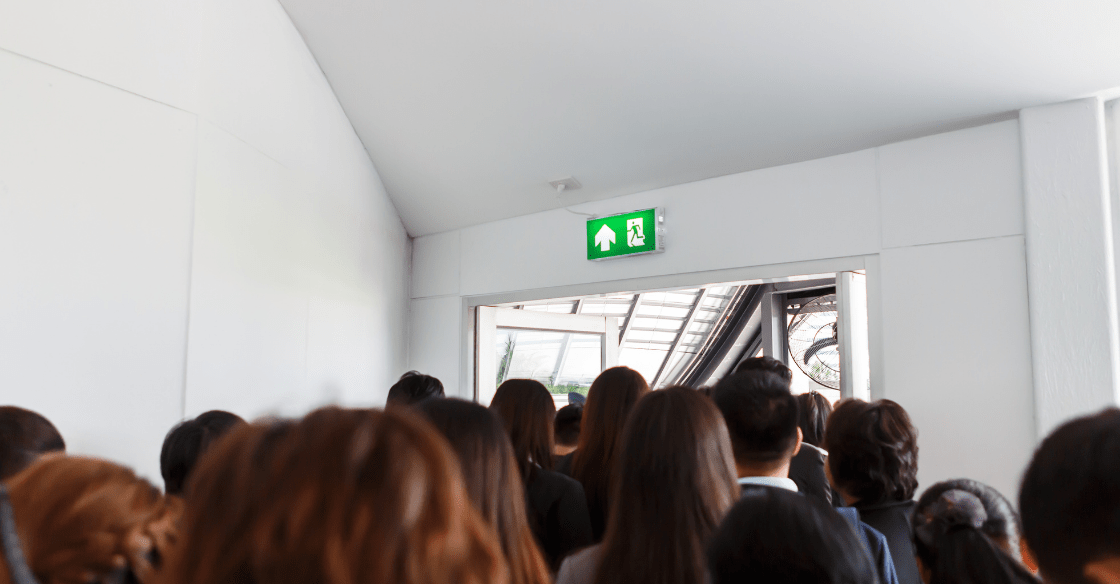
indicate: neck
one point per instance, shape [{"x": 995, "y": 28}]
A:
[{"x": 779, "y": 470}]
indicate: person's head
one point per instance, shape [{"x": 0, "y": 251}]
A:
[
  {"x": 24, "y": 435},
  {"x": 567, "y": 425},
  {"x": 761, "y": 416},
  {"x": 187, "y": 441},
  {"x": 965, "y": 532},
  {"x": 814, "y": 410},
  {"x": 339, "y": 496},
  {"x": 492, "y": 479},
  {"x": 87, "y": 520},
  {"x": 1070, "y": 501},
  {"x": 674, "y": 481},
  {"x": 766, "y": 364},
  {"x": 413, "y": 388},
  {"x": 872, "y": 451},
  {"x": 526, "y": 408},
  {"x": 609, "y": 400},
  {"x": 775, "y": 535}
]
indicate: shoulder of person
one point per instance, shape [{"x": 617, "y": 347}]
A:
[{"x": 579, "y": 567}]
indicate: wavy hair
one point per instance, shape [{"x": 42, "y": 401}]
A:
[
  {"x": 338, "y": 497},
  {"x": 872, "y": 451}
]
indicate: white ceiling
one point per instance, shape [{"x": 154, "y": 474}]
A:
[{"x": 469, "y": 108}]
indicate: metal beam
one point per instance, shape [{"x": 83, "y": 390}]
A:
[
  {"x": 680, "y": 336},
  {"x": 630, "y": 319}
]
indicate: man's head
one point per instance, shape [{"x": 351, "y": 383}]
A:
[
  {"x": 766, "y": 364},
  {"x": 187, "y": 442},
  {"x": 567, "y": 425},
  {"x": 413, "y": 388},
  {"x": 761, "y": 416},
  {"x": 24, "y": 435},
  {"x": 1070, "y": 501}
]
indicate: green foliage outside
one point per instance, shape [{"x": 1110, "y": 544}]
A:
[{"x": 566, "y": 389}]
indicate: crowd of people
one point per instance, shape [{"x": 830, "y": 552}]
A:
[{"x": 739, "y": 482}]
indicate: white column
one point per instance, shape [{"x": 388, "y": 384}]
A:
[
  {"x": 1070, "y": 261},
  {"x": 855, "y": 367}
]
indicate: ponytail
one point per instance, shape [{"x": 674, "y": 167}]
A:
[{"x": 950, "y": 542}]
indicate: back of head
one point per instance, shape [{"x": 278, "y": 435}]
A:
[
  {"x": 491, "y": 475},
  {"x": 414, "y": 387},
  {"x": 1070, "y": 497},
  {"x": 951, "y": 528},
  {"x": 567, "y": 425},
  {"x": 83, "y": 519},
  {"x": 761, "y": 416},
  {"x": 674, "y": 480},
  {"x": 814, "y": 411},
  {"x": 872, "y": 451},
  {"x": 187, "y": 441},
  {"x": 339, "y": 496},
  {"x": 24, "y": 435},
  {"x": 766, "y": 364},
  {"x": 526, "y": 408},
  {"x": 609, "y": 400},
  {"x": 774, "y": 535}
]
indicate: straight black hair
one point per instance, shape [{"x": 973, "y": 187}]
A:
[
  {"x": 187, "y": 441},
  {"x": 414, "y": 387},
  {"x": 766, "y": 364},
  {"x": 24, "y": 436},
  {"x": 568, "y": 421},
  {"x": 772, "y": 535},
  {"x": 814, "y": 411},
  {"x": 1070, "y": 498},
  {"x": 760, "y": 413}
]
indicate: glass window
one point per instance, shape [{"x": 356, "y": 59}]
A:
[{"x": 563, "y": 362}]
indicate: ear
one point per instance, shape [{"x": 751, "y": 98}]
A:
[
  {"x": 1106, "y": 571},
  {"x": 800, "y": 438}
]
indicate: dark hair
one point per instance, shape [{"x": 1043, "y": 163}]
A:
[
  {"x": 766, "y": 364},
  {"x": 490, "y": 473},
  {"x": 1070, "y": 498},
  {"x": 872, "y": 451},
  {"x": 774, "y": 535},
  {"x": 567, "y": 424},
  {"x": 413, "y": 388},
  {"x": 675, "y": 479},
  {"x": 527, "y": 409},
  {"x": 187, "y": 441},
  {"x": 338, "y": 496},
  {"x": 1002, "y": 525},
  {"x": 609, "y": 400},
  {"x": 761, "y": 415},
  {"x": 24, "y": 435},
  {"x": 814, "y": 409},
  {"x": 951, "y": 541}
]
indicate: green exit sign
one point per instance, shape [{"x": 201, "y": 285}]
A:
[{"x": 625, "y": 234}]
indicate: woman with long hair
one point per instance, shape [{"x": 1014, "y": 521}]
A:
[
  {"x": 675, "y": 481},
  {"x": 609, "y": 400},
  {"x": 72, "y": 519},
  {"x": 966, "y": 532},
  {"x": 493, "y": 484},
  {"x": 556, "y": 504},
  {"x": 340, "y": 496},
  {"x": 814, "y": 410}
]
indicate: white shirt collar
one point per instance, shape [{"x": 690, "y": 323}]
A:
[{"x": 779, "y": 482}]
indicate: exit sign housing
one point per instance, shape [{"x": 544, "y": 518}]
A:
[{"x": 625, "y": 234}]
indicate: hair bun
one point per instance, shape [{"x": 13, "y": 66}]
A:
[{"x": 954, "y": 509}]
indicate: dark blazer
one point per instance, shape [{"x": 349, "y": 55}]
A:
[
  {"x": 558, "y": 515},
  {"x": 876, "y": 543},
  {"x": 893, "y": 520},
  {"x": 807, "y": 470}
]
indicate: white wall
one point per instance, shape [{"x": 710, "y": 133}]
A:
[
  {"x": 938, "y": 222},
  {"x": 187, "y": 221}
]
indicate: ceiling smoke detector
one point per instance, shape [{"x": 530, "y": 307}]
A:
[{"x": 565, "y": 184}]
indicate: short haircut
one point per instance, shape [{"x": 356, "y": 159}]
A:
[
  {"x": 766, "y": 364},
  {"x": 774, "y": 535},
  {"x": 1070, "y": 497},
  {"x": 568, "y": 421},
  {"x": 414, "y": 387},
  {"x": 815, "y": 409},
  {"x": 872, "y": 451},
  {"x": 186, "y": 443},
  {"x": 24, "y": 436},
  {"x": 760, "y": 413}
]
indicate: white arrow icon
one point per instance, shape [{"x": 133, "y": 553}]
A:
[{"x": 604, "y": 238}]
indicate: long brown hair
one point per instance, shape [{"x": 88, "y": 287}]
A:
[
  {"x": 81, "y": 519},
  {"x": 341, "y": 496},
  {"x": 675, "y": 481},
  {"x": 492, "y": 480},
  {"x": 526, "y": 408},
  {"x": 609, "y": 401}
]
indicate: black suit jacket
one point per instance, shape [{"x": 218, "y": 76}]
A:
[
  {"x": 892, "y": 518},
  {"x": 807, "y": 470},
  {"x": 558, "y": 515}
]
